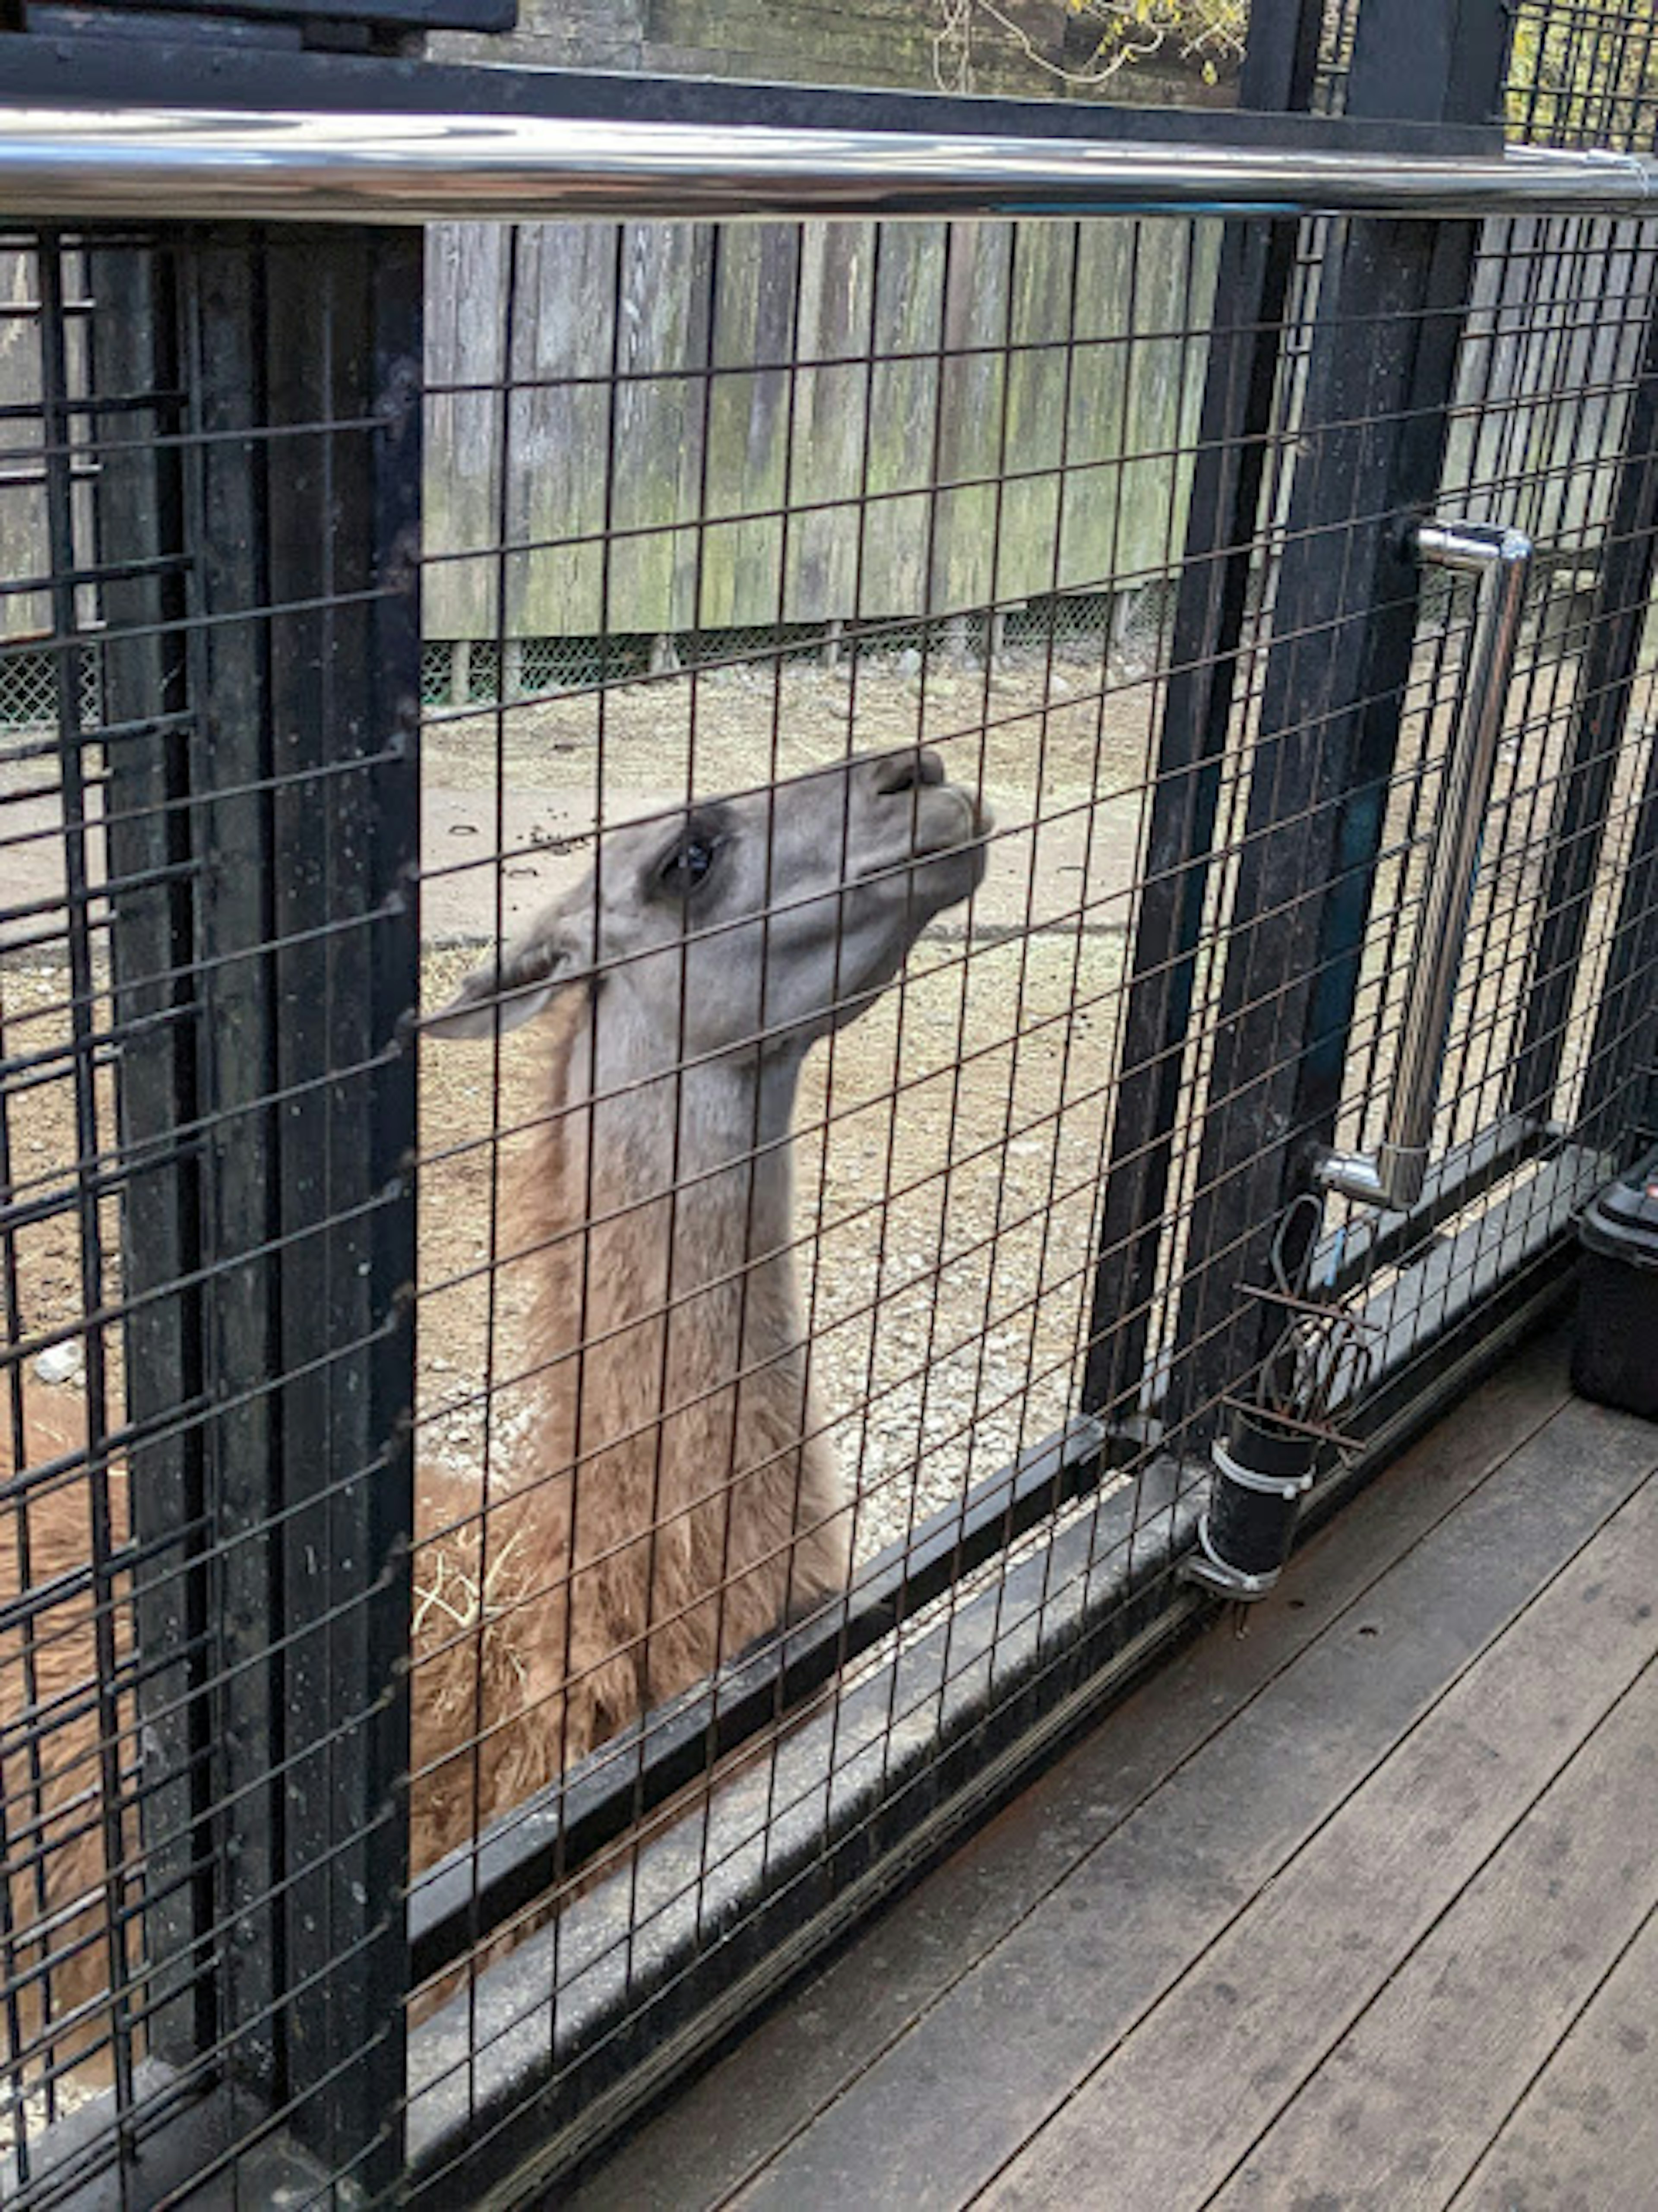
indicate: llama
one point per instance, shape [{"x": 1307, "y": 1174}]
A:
[
  {"x": 53, "y": 1867},
  {"x": 679, "y": 1498}
]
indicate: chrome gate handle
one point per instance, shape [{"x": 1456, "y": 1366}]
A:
[{"x": 1392, "y": 1176}]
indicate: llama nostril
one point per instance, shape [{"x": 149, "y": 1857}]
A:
[{"x": 908, "y": 772}]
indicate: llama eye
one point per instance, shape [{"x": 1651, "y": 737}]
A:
[{"x": 686, "y": 866}]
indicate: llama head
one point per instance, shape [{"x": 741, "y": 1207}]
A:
[{"x": 749, "y": 925}]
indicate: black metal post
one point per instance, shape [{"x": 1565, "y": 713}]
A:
[
  {"x": 1391, "y": 308},
  {"x": 344, "y": 331},
  {"x": 1618, "y": 1111},
  {"x": 1252, "y": 287}
]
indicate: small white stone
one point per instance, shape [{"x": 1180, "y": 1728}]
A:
[{"x": 59, "y": 1363}]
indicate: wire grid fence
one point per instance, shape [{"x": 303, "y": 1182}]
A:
[
  {"x": 69, "y": 1763},
  {"x": 1584, "y": 75},
  {"x": 911, "y": 1343},
  {"x": 28, "y": 688},
  {"x": 1081, "y": 625}
]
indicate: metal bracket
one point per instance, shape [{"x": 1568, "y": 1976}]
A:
[{"x": 1392, "y": 1176}]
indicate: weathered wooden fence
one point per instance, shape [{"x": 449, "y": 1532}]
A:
[
  {"x": 1552, "y": 337},
  {"x": 945, "y": 409}
]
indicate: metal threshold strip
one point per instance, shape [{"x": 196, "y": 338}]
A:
[{"x": 93, "y": 164}]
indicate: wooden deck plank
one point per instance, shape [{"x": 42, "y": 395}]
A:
[
  {"x": 810, "y": 2049},
  {"x": 1171, "y": 2111},
  {"x": 956, "y": 2097},
  {"x": 1401, "y": 2109},
  {"x": 1584, "y": 2138}
]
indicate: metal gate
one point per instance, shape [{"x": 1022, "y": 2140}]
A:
[{"x": 1057, "y": 740}]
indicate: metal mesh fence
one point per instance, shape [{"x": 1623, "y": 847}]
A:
[
  {"x": 624, "y": 1243},
  {"x": 951, "y": 1233},
  {"x": 1584, "y": 75},
  {"x": 1086, "y": 624},
  {"x": 29, "y": 689}
]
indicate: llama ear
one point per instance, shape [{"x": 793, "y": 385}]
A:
[{"x": 510, "y": 989}]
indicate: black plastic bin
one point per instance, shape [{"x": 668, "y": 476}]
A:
[{"x": 1615, "y": 1358}]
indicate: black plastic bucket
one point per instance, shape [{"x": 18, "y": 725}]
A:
[{"x": 1615, "y": 1357}]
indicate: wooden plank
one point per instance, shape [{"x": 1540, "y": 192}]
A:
[
  {"x": 656, "y": 459},
  {"x": 1400, "y": 2110},
  {"x": 465, "y": 345},
  {"x": 1173, "y": 2107},
  {"x": 560, "y": 428},
  {"x": 974, "y": 379},
  {"x": 1046, "y": 270},
  {"x": 903, "y": 416},
  {"x": 956, "y": 2095},
  {"x": 1585, "y": 2135},
  {"x": 751, "y": 425},
  {"x": 837, "y": 328},
  {"x": 1146, "y": 290},
  {"x": 809, "y": 2052},
  {"x": 22, "y": 501}
]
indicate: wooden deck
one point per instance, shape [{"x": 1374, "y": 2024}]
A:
[{"x": 1356, "y": 1912}]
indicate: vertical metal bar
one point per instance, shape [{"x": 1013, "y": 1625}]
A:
[
  {"x": 1252, "y": 287},
  {"x": 1606, "y": 686},
  {"x": 1380, "y": 380}
]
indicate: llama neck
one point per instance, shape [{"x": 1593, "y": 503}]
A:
[
  {"x": 669, "y": 1194},
  {"x": 699, "y": 1166},
  {"x": 668, "y": 1337}
]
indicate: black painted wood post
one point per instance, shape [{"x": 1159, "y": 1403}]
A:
[
  {"x": 1252, "y": 287},
  {"x": 139, "y": 514},
  {"x": 285, "y": 773},
  {"x": 1391, "y": 303}
]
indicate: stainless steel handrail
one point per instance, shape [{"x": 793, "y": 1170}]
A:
[
  {"x": 199, "y": 164},
  {"x": 1393, "y": 1175}
]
